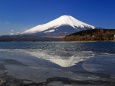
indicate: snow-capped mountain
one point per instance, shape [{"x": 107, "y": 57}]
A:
[{"x": 61, "y": 26}]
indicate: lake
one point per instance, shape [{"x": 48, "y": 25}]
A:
[{"x": 38, "y": 61}]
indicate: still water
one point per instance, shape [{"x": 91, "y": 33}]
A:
[{"x": 38, "y": 61}]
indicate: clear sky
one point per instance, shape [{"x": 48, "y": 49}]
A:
[{"x": 19, "y": 15}]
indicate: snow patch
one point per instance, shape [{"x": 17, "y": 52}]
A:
[{"x": 49, "y": 31}]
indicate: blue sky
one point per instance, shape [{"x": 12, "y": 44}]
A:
[{"x": 19, "y": 15}]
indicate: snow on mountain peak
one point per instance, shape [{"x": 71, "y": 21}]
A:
[
  {"x": 61, "y": 21},
  {"x": 67, "y": 19}
]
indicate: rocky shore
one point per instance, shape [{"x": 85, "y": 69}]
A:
[{"x": 7, "y": 80}]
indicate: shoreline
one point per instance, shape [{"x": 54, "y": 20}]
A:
[
  {"x": 89, "y": 41},
  {"x": 7, "y": 80},
  {"x": 57, "y": 41}
]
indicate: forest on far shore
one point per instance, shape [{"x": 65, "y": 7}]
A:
[{"x": 92, "y": 35}]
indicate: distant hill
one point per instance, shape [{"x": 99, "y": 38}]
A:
[
  {"x": 8, "y": 38},
  {"x": 92, "y": 35}
]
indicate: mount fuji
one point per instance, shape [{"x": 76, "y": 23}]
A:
[{"x": 64, "y": 25}]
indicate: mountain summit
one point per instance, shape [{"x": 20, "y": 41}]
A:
[{"x": 61, "y": 26}]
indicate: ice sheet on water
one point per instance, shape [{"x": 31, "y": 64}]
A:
[
  {"x": 40, "y": 66},
  {"x": 40, "y": 74},
  {"x": 64, "y": 59},
  {"x": 61, "y": 58},
  {"x": 104, "y": 63}
]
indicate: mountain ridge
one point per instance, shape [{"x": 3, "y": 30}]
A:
[{"x": 54, "y": 27}]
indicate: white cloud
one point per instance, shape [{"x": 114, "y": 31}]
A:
[
  {"x": 17, "y": 33},
  {"x": 12, "y": 30},
  {"x": 11, "y": 33}
]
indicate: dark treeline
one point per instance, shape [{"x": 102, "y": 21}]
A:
[
  {"x": 92, "y": 35},
  {"x": 19, "y": 38}
]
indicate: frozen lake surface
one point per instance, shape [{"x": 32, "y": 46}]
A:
[{"x": 38, "y": 61}]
